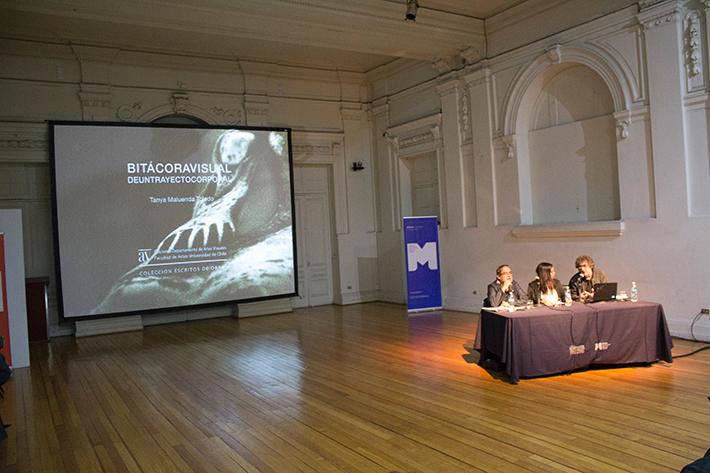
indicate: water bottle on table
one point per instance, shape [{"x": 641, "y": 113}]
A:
[
  {"x": 634, "y": 297},
  {"x": 511, "y": 300},
  {"x": 568, "y": 296}
]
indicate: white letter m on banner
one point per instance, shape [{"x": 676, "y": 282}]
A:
[{"x": 421, "y": 255}]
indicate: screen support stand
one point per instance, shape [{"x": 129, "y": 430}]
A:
[
  {"x": 87, "y": 328},
  {"x": 275, "y": 306}
]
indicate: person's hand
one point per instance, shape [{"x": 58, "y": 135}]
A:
[
  {"x": 505, "y": 285},
  {"x": 586, "y": 296}
]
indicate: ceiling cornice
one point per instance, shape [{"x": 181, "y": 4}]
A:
[{"x": 365, "y": 26}]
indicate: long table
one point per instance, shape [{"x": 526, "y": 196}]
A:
[{"x": 542, "y": 341}]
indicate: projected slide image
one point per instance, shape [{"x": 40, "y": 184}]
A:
[{"x": 152, "y": 218}]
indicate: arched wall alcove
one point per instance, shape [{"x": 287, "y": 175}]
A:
[{"x": 560, "y": 122}]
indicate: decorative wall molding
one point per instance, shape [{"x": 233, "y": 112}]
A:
[
  {"x": 623, "y": 122},
  {"x": 507, "y": 142},
  {"x": 645, "y": 4},
  {"x": 447, "y": 87},
  {"x": 257, "y": 109},
  {"x": 647, "y": 25},
  {"x": 554, "y": 54},
  {"x": 693, "y": 51},
  {"x": 394, "y": 183},
  {"x": 610, "y": 229},
  {"x": 697, "y": 101},
  {"x": 309, "y": 154},
  {"x": 128, "y": 112},
  {"x": 465, "y": 115},
  {"x": 657, "y": 14},
  {"x": 411, "y": 139},
  {"x": 352, "y": 112},
  {"x": 620, "y": 90},
  {"x": 23, "y": 143},
  {"x": 442, "y": 65},
  {"x": 380, "y": 108},
  {"x": 472, "y": 54},
  {"x": 92, "y": 100},
  {"x": 692, "y": 43},
  {"x": 625, "y": 118},
  {"x": 230, "y": 116},
  {"x": 622, "y": 127},
  {"x": 417, "y": 136},
  {"x": 95, "y": 101},
  {"x": 478, "y": 77},
  {"x": 630, "y": 63},
  {"x": 315, "y": 147},
  {"x": 181, "y": 102},
  {"x": 392, "y": 142},
  {"x": 421, "y": 138},
  {"x": 459, "y": 88}
]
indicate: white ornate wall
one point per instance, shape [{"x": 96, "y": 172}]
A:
[
  {"x": 327, "y": 110},
  {"x": 652, "y": 59},
  {"x": 651, "y": 56}
]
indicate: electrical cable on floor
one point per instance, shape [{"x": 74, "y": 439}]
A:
[
  {"x": 692, "y": 325},
  {"x": 675, "y": 357},
  {"x": 694, "y": 339}
]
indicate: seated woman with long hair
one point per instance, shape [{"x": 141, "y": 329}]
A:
[{"x": 545, "y": 288}]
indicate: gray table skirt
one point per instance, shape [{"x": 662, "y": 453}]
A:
[{"x": 543, "y": 340}]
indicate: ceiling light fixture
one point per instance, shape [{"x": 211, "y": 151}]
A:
[{"x": 411, "y": 13}]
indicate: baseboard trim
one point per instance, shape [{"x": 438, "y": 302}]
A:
[
  {"x": 88, "y": 328},
  {"x": 359, "y": 297},
  {"x": 393, "y": 297},
  {"x": 682, "y": 328},
  {"x": 253, "y": 309},
  {"x": 462, "y": 304},
  {"x": 164, "y": 318}
]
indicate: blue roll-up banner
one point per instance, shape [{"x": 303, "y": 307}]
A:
[{"x": 421, "y": 248}]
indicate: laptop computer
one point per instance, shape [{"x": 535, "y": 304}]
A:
[{"x": 604, "y": 291}]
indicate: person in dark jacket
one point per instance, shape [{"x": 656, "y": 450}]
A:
[
  {"x": 500, "y": 289},
  {"x": 581, "y": 285},
  {"x": 545, "y": 288}
]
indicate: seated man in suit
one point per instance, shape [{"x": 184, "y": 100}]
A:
[
  {"x": 500, "y": 289},
  {"x": 581, "y": 285}
]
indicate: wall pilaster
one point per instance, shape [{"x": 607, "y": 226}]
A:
[{"x": 662, "y": 35}]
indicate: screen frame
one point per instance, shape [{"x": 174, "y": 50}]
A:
[{"x": 55, "y": 217}]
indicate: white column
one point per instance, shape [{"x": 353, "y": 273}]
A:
[
  {"x": 662, "y": 33},
  {"x": 95, "y": 89},
  {"x": 390, "y": 255},
  {"x": 357, "y": 244},
  {"x": 457, "y": 173},
  {"x": 478, "y": 83}
]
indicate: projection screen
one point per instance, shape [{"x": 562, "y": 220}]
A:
[{"x": 151, "y": 217}]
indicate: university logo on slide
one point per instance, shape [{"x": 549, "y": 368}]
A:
[{"x": 144, "y": 254}]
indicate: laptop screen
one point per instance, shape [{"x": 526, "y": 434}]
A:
[{"x": 605, "y": 291}]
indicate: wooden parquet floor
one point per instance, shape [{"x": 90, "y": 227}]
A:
[{"x": 362, "y": 388}]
